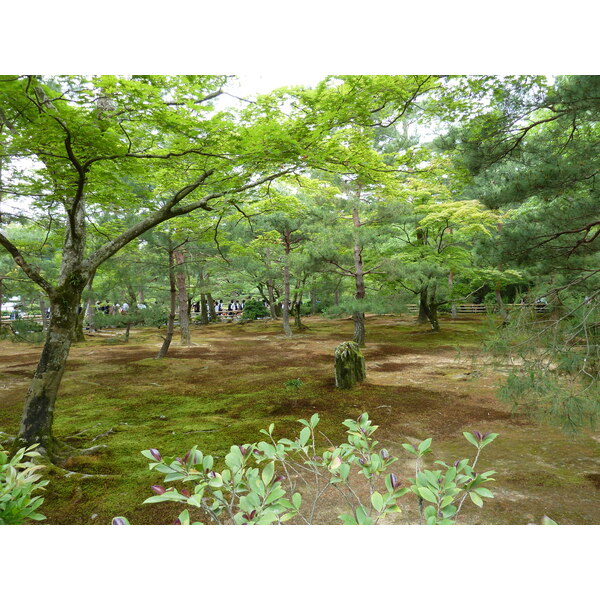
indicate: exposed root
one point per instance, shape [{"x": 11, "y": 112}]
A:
[{"x": 92, "y": 450}]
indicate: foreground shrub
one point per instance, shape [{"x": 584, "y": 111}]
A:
[
  {"x": 261, "y": 480},
  {"x": 18, "y": 482}
]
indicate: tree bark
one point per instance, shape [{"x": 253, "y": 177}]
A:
[
  {"x": 203, "y": 310},
  {"x": 38, "y": 413},
  {"x": 184, "y": 319},
  {"x": 423, "y": 317},
  {"x": 313, "y": 301},
  {"x": 173, "y": 306},
  {"x": 211, "y": 308},
  {"x": 272, "y": 307},
  {"x": 43, "y": 311},
  {"x": 453, "y": 311},
  {"x": 358, "y": 316},
  {"x": 285, "y": 311}
]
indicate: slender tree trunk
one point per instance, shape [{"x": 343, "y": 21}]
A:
[
  {"x": 336, "y": 294},
  {"x": 313, "y": 301},
  {"x": 358, "y": 317},
  {"x": 43, "y": 311},
  {"x": 272, "y": 307},
  {"x": 184, "y": 320},
  {"x": 211, "y": 308},
  {"x": 173, "y": 306},
  {"x": 203, "y": 310},
  {"x": 286, "y": 287},
  {"x": 451, "y": 285}
]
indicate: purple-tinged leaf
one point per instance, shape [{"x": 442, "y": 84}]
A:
[
  {"x": 156, "y": 454},
  {"x": 158, "y": 489}
]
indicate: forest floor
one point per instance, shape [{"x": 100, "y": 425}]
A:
[{"x": 230, "y": 384}]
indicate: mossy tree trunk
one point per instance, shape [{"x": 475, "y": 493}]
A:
[
  {"x": 181, "y": 280},
  {"x": 38, "y": 413},
  {"x": 203, "y": 310},
  {"x": 358, "y": 316},
  {"x": 173, "y": 307},
  {"x": 285, "y": 311},
  {"x": 211, "y": 308},
  {"x": 350, "y": 366}
]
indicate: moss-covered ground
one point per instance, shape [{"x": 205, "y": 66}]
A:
[{"x": 228, "y": 385}]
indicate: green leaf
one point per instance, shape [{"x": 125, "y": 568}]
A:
[
  {"x": 314, "y": 420},
  {"x": 476, "y": 499},
  {"x": 297, "y": 500},
  {"x": 484, "y": 492},
  {"x": 424, "y": 445},
  {"x": 471, "y": 438},
  {"x": 410, "y": 449},
  {"x": 361, "y": 516},
  {"x": 267, "y": 473},
  {"x": 446, "y": 500},
  {"x": 377, "y": 501},
  {"x": 427, "y": 494},
  {"x": 304, "y": 436},
  {"x": 347, "y": 519},
  {"x": 489, "y": 439},
  {"x": 548, "y": 521}
]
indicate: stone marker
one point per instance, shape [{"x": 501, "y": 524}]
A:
[{"x": 349, "y": 365}]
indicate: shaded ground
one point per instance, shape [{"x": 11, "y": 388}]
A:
[{"x": 230, "y": 384}]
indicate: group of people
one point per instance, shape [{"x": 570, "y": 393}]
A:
[
  {"x": 221, "y": 308},
  {"x": 112, "y": 309}
]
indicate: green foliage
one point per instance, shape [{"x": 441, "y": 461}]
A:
[
  {"x": 254, "y": 309},
  {"x": 256, "y": 485},
  {"x": 19, "y": 480},
  {"x": 23, "y": 330},
  {"x": 293, "y": 384}
]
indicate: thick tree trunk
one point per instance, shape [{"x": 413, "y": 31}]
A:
[
  {"x": 203, "y": 310},
  {"x": 173, "y": 297},
  {"x": 432, "y": 308},
  {"x": 184, "y": 319},
  {"x": 358, "y": 317},
  {"x": 38, "y": 414}
]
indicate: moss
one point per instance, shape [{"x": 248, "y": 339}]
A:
[{"x": 231, "y": 385}]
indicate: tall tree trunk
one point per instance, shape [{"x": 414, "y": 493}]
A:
[
  {"x": 453, "y": 311},
  {"x": 423, "y": 318},
  {"x": 38, "y": 413},
  {"x": 432, "y": 308},
  {"x": 43, "y": 311},
  {"x": 358, "y": 316},
  {"x": 286, "y": 286},
  {"x": 313, "y": 301},
  {"x": 211, "y": 308},
  {"x": 173, "y": 307},
  {"x": 184, "y": 320},
  {"x": 203, "y": 310},
  {"x": 272, "y": 307}
]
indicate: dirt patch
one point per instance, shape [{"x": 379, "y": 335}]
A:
[{"x": 392, "y": 367}]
